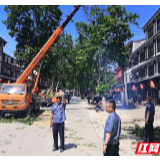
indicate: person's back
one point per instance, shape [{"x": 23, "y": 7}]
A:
[
  {"x": 116, "y": 130},
  {"x": 150, "y": 107},
  {"x": 149, "y": 119}
]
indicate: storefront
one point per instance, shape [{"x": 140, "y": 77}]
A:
[{"x": 145, "y": 88}]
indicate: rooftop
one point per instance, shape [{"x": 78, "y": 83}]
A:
[
  {"x": 9, "y": 56},
  {"x": 4, "y": 42},
  {"x": 151, "y": 19},
  {"x": 136, "y": 41}
]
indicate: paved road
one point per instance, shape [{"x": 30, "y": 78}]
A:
[
  {"x": 83, "y": 132},
  {"x": 80, "y": 136}
]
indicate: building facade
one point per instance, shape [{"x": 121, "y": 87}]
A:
[
  {"x": 9, "y": 70},
  {"x": 143, "y": 76},
  {"x": 8, "y": 67}
]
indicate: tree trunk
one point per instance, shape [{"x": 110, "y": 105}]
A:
[
  {"x": 123, "y": 92},
  {"x": 126, "y": 94},
  {"x": 93, "y": 88},
  {"x": 92, "y": 94},
  {"x": 57, "y": 86},
  {"x": 85, "y": 86},
  {"x": 103, "y": 102}
]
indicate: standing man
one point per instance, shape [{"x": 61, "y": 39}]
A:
[
  {"x": 112, "y": 131},
  {"x": 149, "y": 119},
  {"x": 57, "y": 120}
]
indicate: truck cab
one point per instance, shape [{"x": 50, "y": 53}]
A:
[{"x": 16, "y": 98}]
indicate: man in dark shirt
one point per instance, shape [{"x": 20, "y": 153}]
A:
[{"x": 149, "y": 119}]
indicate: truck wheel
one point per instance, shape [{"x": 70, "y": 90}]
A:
[
  {"x": 38, "y": 109},
  {"x": 2, "y": 114}
]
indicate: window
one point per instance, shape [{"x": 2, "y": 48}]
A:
[
  {"x": 159, "y": 67},
  {"x": 151, "y": 70},
  {"x": 2, "y": 51},
  {"x": 142, "y": 56},
  {"x": 150, "y": 32},
  {"x": 158, "y": 45},
  {"x": 11, "y": 73},
  {"x": 158, "y": 24},
  {"x": 150, "y": 51},
  {"x": 134, "y": 75},
  {"x": 142, "y": 72},
  {"x": 12, "y": 60},
  {"x": 3, "y": 57},
  {"x": 136, "y": 60},
  {"x": 137, "y": 74}
]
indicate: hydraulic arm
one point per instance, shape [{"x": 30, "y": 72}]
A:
[{"x": 47, "y": 45}]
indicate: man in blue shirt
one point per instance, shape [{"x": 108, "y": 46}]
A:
[
  {"x": 57, "y": 120},
  {"x": 112, "y": 131},
  {"x": 149, "y": 119}
]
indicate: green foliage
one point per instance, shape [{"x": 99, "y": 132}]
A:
[
  {"x": 26, "y": 120},
  {"x": 31, "y": 26},
  {"x": 99, "y": 45},
  {"x": 103, "y": 87},
  {"x": 139, "y": 132},
  {"x": 101, "y": 42}
]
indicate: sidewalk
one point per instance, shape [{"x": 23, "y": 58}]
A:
[{"x": 129, "y": 117}]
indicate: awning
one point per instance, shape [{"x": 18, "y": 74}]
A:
[
  {"x": 133, "y": 87},
  {"x": 117, "y": 90},
  {"x": 152, "y": 85},
  {"x": 141, "y": 86}
]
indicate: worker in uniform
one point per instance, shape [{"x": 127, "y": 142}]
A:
[
  {"x": 57, "y": 120},
  {"x": 149, "y": 119},
  {"x": 112, "y": 131}
]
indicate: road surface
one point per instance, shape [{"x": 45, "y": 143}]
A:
[{"x": 83, "y": 132}]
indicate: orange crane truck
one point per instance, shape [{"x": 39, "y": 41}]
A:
[{"x": 21, "y": 96}]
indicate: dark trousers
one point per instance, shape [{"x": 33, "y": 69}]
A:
[
  {"x": 68, "y": 99},
  {"x": 148, "y": 132},
  {"x": 58, "y": 127},
  {"x": 112, "y": 150}
]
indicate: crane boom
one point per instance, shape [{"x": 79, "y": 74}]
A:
[{"x": 47, "y": 45}]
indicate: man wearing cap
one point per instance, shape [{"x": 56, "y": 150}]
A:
[{"x": 57, "y": 120}]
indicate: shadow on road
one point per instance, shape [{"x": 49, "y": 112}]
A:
[
  {"x": 126, "y": 107},
  {"x": 70, "y": 146}
]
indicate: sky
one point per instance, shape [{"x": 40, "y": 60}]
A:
[{"x": 145, "y": 12}]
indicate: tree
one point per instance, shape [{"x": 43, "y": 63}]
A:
[
  {"x": 103, "y": 87},
  {"x": 32, "y": 25},
  {"x": 104, "y": 34},
  {"x": 63, "y": 61}
]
